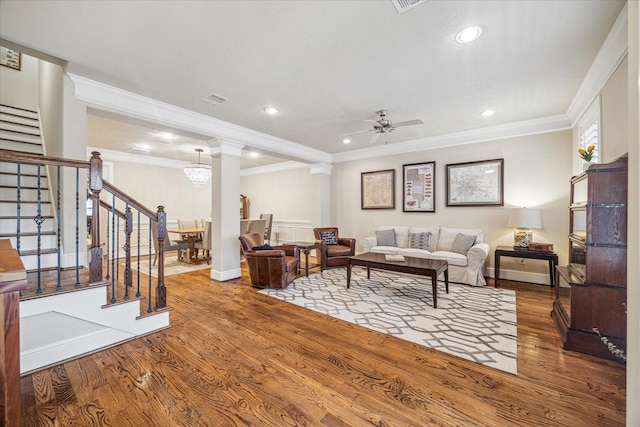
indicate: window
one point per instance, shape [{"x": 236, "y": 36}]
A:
[{"x": 589, "y": 130}]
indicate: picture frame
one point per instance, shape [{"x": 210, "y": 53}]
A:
[
  {"x": 377, "y": 189},
  {"x": 10, "y": 58},
  {"x": 419, "y": 187},
  {"x": 478, "y": 183}
]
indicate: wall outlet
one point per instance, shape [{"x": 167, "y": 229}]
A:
[{"x": 522, "y": 261}]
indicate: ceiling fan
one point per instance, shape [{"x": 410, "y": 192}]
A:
[{"x": 383, "y": 125}]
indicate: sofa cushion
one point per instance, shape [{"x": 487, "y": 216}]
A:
[
  {"x": 462, "y": 243},
  {"x": 448, "y": 235},
  {"x": 451, "y": 257},
  {"x": 416, "y": 253},
  {"x": 420, "y": 241},
  {"x": 392, "y": 250},
  {"x": 329, "y": 237},
  {"x": 386, "y": 237}
]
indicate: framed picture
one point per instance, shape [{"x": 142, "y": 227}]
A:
[
  {"x": 378, "y": 189},
  {"x": 10, "y": 58},
  {"x": 419, "y": 187},
  {"x": 476, "y": 183}
]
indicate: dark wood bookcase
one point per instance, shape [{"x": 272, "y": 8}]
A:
[{"x": 591, "y": 291}]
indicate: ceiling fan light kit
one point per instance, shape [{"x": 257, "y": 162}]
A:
[{"x": 198, "y": 173}]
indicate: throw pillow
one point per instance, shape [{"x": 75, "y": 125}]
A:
[
  {"x": 420, "y": 241},
  {"x": 386, "y": 237},
  {"x": 264, "y": 247},
  {"x": 462, "y": 243},
  {"x": 329, "y": 237}
]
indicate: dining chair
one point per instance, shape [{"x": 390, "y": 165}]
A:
[
  {"x": 169, "y": 245},
  {"x": 256, "y": 226},
  {"x": 205, "y": 243},
  {"x": 267, "y": 228}
]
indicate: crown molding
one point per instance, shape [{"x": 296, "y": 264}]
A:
[
  {"x": 611, "y": 54},
  {"x": 276, "y": 167},
  {"x": 119, "y": 156},
  {"x": 509, "y": 130},
  {"x": 320, "y": 168},
  {"x": 115, "y": 100}
]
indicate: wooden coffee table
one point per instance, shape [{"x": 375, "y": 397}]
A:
[{"x": 420, "y": 266}]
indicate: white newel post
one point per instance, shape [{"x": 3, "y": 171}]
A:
[{"x": 225, "y": 211}]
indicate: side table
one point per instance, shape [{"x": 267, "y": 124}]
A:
[
  {"x": 306, "y": 247},
  {"x": 514, "y": 252}
]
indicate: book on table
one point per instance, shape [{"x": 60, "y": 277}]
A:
[{"x": 398, "y": 258}]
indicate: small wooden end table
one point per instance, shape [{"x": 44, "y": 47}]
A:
[
  {"x": 515, "y": 252},
  {"x": 420, "y": 266},
  {"x": 305, "y": 248}
]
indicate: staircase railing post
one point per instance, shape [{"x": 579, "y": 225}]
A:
[
  {"x": 95, "y": 186},
  {"x": 161, "y": 291}
]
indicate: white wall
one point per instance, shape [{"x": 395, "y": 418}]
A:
[
  {"x": 537, "y": 170},
  {"x": 26, "y": 79},
  {"x": 614, "y": 112},
  {"x": 286, "y": 194}
]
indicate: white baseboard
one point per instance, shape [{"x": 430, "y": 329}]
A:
[
  {"x": 520, "y": 276},
  {"x": 222, "y": 276}
]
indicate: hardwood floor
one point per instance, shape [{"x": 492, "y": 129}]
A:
[{"x": 235, "y": 357}]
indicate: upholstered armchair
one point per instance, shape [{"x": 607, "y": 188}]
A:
[
  {"x": 269, "y": 268},
  {"x": 336, "y": 249}
]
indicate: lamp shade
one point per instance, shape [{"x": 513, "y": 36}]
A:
[{"x": 525, "y": 218}]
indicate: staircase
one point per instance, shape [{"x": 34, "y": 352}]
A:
[
  {"x": 20, "y": 133},
  {"x": 69, "y": 311}
]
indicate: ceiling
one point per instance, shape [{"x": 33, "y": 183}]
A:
[{"x": 327, "y": 65}]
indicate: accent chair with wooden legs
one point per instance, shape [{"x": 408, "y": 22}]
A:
[
  {"x": 269, "y": 268},
  {"x": 336, "y": 249}
]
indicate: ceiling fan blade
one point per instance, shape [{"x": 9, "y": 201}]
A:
[
  {"x": 408, "y": 123},
  {"x": 375, "y": 137}
]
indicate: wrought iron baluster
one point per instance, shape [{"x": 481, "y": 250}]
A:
[
  {"x": 149, "y": 309},
  {"x": 78, "y": 228},
  {"x": 108, "y": 246},
  {"x": 58, "y": 231},
  {"x": 138, "y": 275},
  {"x": 113, "y": 248},
  {"x": 39, "y": 219},
  {"x": 127, "y": 249},
  {"x": 18, "y": 209},
  {"x": 116, "y": 247}
]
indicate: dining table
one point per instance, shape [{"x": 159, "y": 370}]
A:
[{"x": 190, "y": 235}]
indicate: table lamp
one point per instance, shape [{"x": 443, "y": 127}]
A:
[{"x": 524, "y": 220}]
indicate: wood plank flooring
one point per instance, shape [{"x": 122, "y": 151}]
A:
[{"x": 233, "y": 357}]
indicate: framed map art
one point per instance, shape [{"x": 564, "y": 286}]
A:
[
  {"x": 378, "y": 189},
  {"x": 419, "y": 187},
  {"x": 476, "y": 183}
]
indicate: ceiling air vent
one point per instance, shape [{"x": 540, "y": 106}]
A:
[
  {"x": 215, "y": 99},
  {"x": 404, "y": 5}
]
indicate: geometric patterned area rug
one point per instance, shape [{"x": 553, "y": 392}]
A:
[
  {"x": 474, "y": 323},
  {"x": 171, "y": 266}
]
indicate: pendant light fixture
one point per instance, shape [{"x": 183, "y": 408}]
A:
[{"x": 198, "y": 173}]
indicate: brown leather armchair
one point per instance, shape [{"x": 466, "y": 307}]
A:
[
  {"x": 334, "y": 254},
  {"x": 271, "y": 268}
]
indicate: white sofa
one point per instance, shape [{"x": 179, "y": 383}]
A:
[{"x": 462, "y": 268}]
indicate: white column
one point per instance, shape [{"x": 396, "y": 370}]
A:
[
  {"x": 321, "y": 189},
  {"x": 225, "y": 208}
]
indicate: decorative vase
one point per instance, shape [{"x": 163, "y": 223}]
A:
[{"x": 586, "y": 165}]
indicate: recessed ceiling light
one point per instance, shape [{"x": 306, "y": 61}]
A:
[
  {"x": 254, "y": 154},
  {"x": 271, "y": 110},
  {"x": 346, "y": 140},
  {"x": 167, "y": 135},
  {"x": 487, "y": 113},
  {"x": 143, "y": 146},
  {"x": 468, "y": 34}
]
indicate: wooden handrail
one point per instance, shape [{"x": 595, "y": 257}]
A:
[
  {"x": 130, "y": 200},
  {"x": 34, "y": 159}
]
